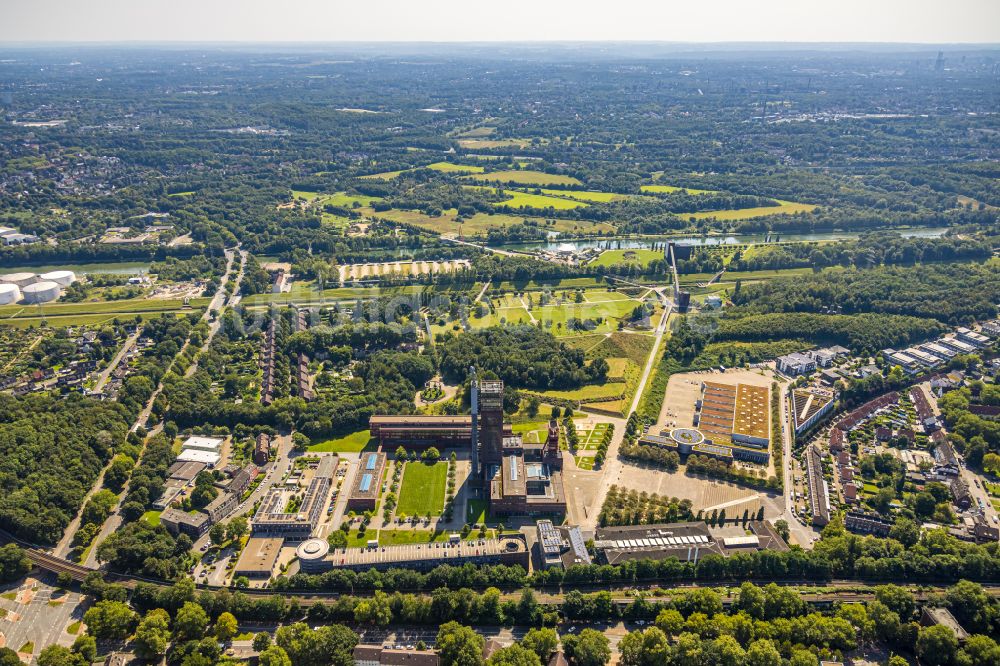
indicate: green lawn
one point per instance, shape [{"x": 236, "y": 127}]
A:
[
  {"x": 353, "y": 443},
  {"x": 152, "y": 517},
  {"x": 423, "y": 489},
  {"x": 641, "y": 257}
]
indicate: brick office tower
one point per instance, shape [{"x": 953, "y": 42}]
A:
[{"x": 491, "y": 431}]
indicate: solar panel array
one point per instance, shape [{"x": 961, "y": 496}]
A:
[
  {"x": 577, "y": 544},
  {"x": 372, "y": 459},
  {"x": 551, "y": 542},
  {"x": 366, "y": 483},
  {"x": 664, "y": 542}
]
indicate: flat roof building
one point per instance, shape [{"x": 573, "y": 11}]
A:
[
  {"x": 207, "y": 458},
  {"x": 367, "y": 482},
  {"x": 202, "y": 444},
  {"x": 272, "y": 519},
  {"x": 508, "y": 549},
  {"x": 421, "y": 430},
  {"x": 259, "y": 557},
  {"x": 796, "y": 363}
]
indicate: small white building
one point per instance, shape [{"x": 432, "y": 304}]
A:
[
  {"x": 197, "y": 455},
  {"x": 212, "y": 444}
]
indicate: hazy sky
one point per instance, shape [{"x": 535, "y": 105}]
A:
[{"x": 472, "y": 20}]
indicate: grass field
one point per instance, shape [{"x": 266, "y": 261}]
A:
[
  {"x": 633, "y": 346},
  {"x": 519, "y": 199},
  {"x": 640, "y": 257},
  {"x": 480, "y": 223},
  {"x": 785, "y": 207},
  {"x": 339, "y": 199},
  {"x": 525, "y": 177},
  {"x": 152, "y": 517},
  {"x": 448, "y": 167},
  {"x": 78, "y": 314},
  {"x": 423, "y": 489},
  {"x": 489, "y": 144},
  {"x": 385, "y": 175},
  {"x": 607, "y": 390},
  {"x": 668, "y": 189},
  {"x": 101, "y": 307},
  {"x": 353, "y": 443},
  {"x": 586, "y": 195}
]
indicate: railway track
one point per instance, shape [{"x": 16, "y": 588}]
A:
[{"x": 624, "y": 595}]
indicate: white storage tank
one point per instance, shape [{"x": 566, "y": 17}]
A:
[
  {"x": 9, "y": 293},
  {"x": 41, "y": 292},
  {"x": 20, "y": 279},
  {"x": 62, "y": 278}
]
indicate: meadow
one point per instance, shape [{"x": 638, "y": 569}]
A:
[
  {"x": 519, "y": 199},
  {"x": 525, "y": 177},
  {"x": 784, "y": 208},
  {"x": 480, "y": 223},
  {"x": 670, "y": 189}
]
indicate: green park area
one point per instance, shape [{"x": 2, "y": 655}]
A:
[{"x": 422, "y": 492}]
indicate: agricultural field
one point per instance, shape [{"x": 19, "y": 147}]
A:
[
  {"x": 491, "y": 144},
  {"x": 519, "y": 199},
  {"x": 641, "y": 257},
  {"x": 480, "y": 223},
  {"x": 448, "y": 167},
  {"x": 785, "y": 207},
  {"x": 422, "y": 491},
  {"x": 670, "y": 189},
  {"x": 585, "y": 195},
  {"x": 339, "y": 199},
  {"x": 525, "y": 177}
]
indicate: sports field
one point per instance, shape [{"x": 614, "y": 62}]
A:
[
  {"x": 525, "y": 177},
  {"x": 423, "y": 489}
]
